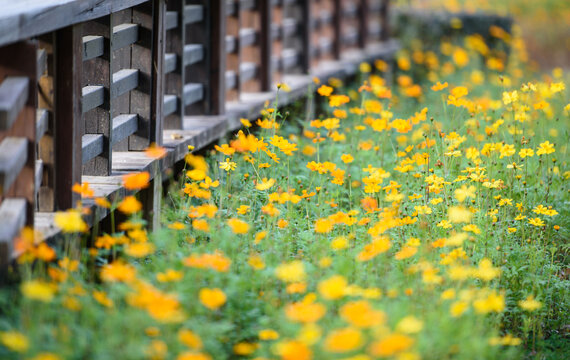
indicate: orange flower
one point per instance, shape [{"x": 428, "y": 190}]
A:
[
  {"x": 136, "y": 181},
  {"x": 154, "y": 151},
  {"x": 83, "y": 189},
  {"x": 238, "y": 226},
  {"x": 130, "y": 205},
  {"x": 102, "y": 202},
  {"x": 213, "y": 299}
]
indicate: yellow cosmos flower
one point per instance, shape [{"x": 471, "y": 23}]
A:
[{"x": 213, "y": 299}]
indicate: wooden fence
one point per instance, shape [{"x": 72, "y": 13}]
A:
[{"x": 85, "y": 85}]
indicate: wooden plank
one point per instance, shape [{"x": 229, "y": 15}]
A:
[
  {"x": 92, "y": 97},
  {"x": 124, "y": 81},
  {"x": 231, "y": 44},
  {"x": 306, "y": 36},
  {"x": 289, "y": 59},
  {"x": 247, "y": 37},
  {"x": 124, "y": 35},
  {"x": 265, "y": 45},
  {"x": 124, "y": 126},
  {"x": 12, "y": 219},
  {"x": 26, "y": 19},
  {"x": 193, "y": 14},
  {"x": 13, "y": 96},
  {"x": 231, "y": 79},
  {"x": 39, "y": 174},
  {"x": 384, "y": 11},
  {"x": 169, "y": 105},
  {"x": 193, "y": 93},
  {"x": 13, "y": 156},
  {"x": 247, "y": 71},
  {"x": 248, "y": 4},
  {"x": 42, "y": 123},
  {"x": 193, "y": 53},
  {"x": 289, "y": 27},
  {"x": 171, "y": 20},
  {"x": 42, "y": 62},
  {"x": 170, "y": 62},
  {"x": 93, "y": 46},
  {"x": 92, "y": 146},
  {"x": 68, "y": 122}
]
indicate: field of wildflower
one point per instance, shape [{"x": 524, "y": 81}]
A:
[{"x": 424, "y": 220}]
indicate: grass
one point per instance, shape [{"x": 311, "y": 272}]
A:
[{"x": 409, "y": 223}]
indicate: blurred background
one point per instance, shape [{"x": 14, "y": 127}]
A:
[{"x": 544, "y": 24}]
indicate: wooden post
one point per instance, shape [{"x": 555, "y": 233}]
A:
[
  {"x": 264, "y": 8},
  {"x": 147, "y": 57},
  {"x": 306, "y": 35},
  {"x": 385, "y": 34},
  {"x": 337, "y": 25},
  {"x": 174, "y": 81},
  {"x": 362, "y": 23},
  {"x": 217, "y": 58},
  {"x": 233, "y": 59},
  {"x": 98, "y": 72},
  {"x": 68, "y": 124}
]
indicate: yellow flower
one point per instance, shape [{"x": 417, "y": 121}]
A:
[
  {"x": 347, "y": 158},
  {"x": 458, "y": 308},
  {"x": 83, "y": 189},
  {"x": 212, "y": 298},
  {"x": 293, "y": 350},
  {"x": 343, "y": 340},
  {"x": 339, "y": 243},
  {"x": 228, "y": 165},
  {"x": 406, "y": 252},
  {"x": 102, "y": 298},
  {"x": 410, "y": 325},
  {"x": 333, "y": 288},
  {"x": 256, "y": 262},
  {"x": 545, "y": 148},
  {"x": 169, "y": 275},
  {"x": 225, "y": 149},
  {"x": 391, "y": 345},
  {"x": 361, "y": 314},
  {"x": 190, "y": 339},
  {"x": 243, "y": 209},
  {"x": 459, "y": 214},
  {"x": 325, "y": 90},
  {"x": 155, "y": 152},
  {"x": 268, "y": 334},
  {"x": 323, "y": 226},
  {"x": 293, "y": 271},
  {"x": 38, "y": 290},
  {"x": 439, "y": 86},
  {"x": 305, "y": 311},
  {"x": 265, "y": 184},
  {"x": 118, "y": 272},
  {"x": 130, "y": 205},
  {"x": 238, "y": 226},
  {"x": 70, "y": 221},
  {"x": 536, "y": 222},
  {"x": 530, "y": 304},
  {"x": 15, "y": 341}
]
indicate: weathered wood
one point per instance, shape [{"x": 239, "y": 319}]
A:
[
  {"x": 248, "y": 37},
  {"x": 99, "y": 72},
  {"x": 247, "y": 71},
  {"x": 174, "y": 80},
  {"x": 12, "y": 219},
  {"x": 13, "y": 156},
  {"x": 13, "y": 96},
  {"x": 169, "y": 105},
  {"x": 20, "y": 20},
  {"x": 193, "y": 53},
  {"x": 124, "y": 126},
  {"x": 171, "y": 20},
  {"x": 20, "y": 60},
  {"x": 92, "y": 146},
  {"x": 39, "y": 173},
  {"x": 170, "y": 62},
  {"x": 124, "y": 81},
  {"x": 92, "y": 97},
  {"x": 42, "y": 62},
  {"x": 193, "y": 93},
  {"x": 93, "y": 46},
  {"x": 193, "y": 14},
  {"x": 265, "y": 45},
  {"x": 124, "y": 35},
  {"x": 42, "y": 119}
]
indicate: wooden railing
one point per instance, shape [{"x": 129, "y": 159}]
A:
[{"x": 85, "y": 85}]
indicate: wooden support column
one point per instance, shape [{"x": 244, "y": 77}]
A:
[
  {"x": 147, "y": 57},
  {"x": 385, "y": 34},
  {"x": 68, "y": 124},
  {"x": 306, "y": 36},
  {"x": 174, "y": 80},
  {"x": 264, "y": 8},
  {"x": 337, "y": 26},
  {"x": 363, "y": 23},
  {"x": 97, "y": 116}
]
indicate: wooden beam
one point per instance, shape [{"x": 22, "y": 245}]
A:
[
  {"x": 13, "y": 156},
  {"x": 13, "y": 97}
]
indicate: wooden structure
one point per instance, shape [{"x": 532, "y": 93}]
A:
[{"x": 85, "y": 85}]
